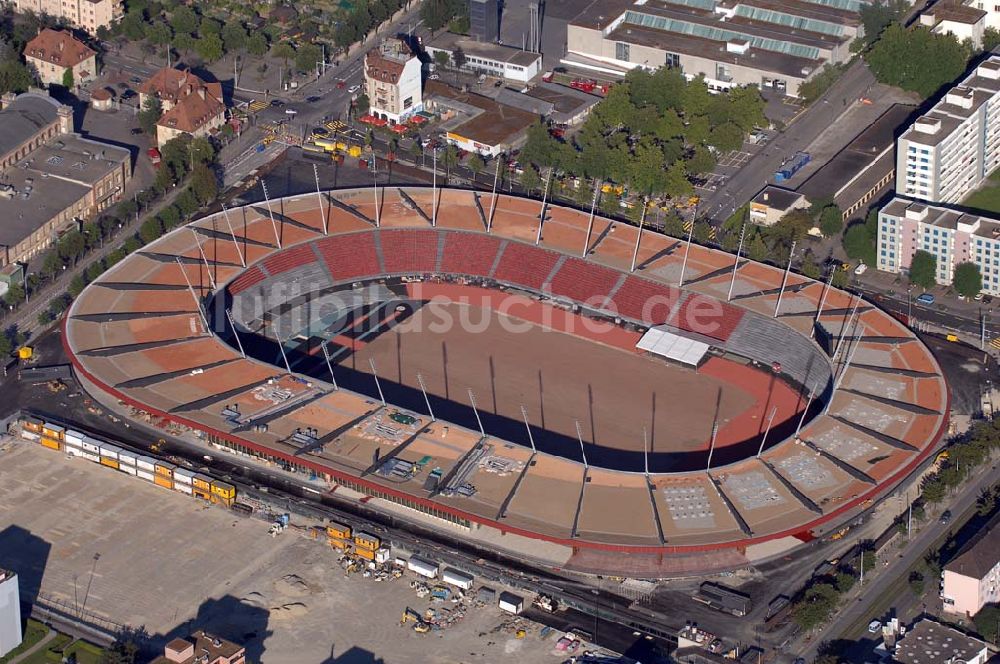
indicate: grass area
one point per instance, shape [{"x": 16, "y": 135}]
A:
[
  {"x": 33, "y": 633},
  {"x": 987, "y": 197}
]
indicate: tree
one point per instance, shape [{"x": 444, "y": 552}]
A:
[
  {"x": 858, "y": 244},
  {"x": 844, "y": 581},
  {"x": 51, "y": 264},
  {"x": 210, "y": 47},
  {"x": 991, "y": 39},
  {"x": 933, "y": 490},
  {"x": 15, "y": 76},
  {"x": 476, "y": 163},
  {"x": 184, "y": 20},
  {"x": 967, "y": 280},
  {"x": 458, "y": 57},
  {"x": 72, "y": 245},
  {"x": 187, "y": 203},
  {"x": 441, "y": 59},
  {"x": 159, "y": 33},
  {"x": 917, "y": 59},
  {"x": 987, "y": 622},
  {"x": 133, "y": 26},
  {"x": 701, "y": 161},
  {"x": 283, "y": 51},
  {"x": 202, "y": 151},
  {"x": 67, "y": 79},
  {"x": 307, "y": 56},
  {"x": 13, "y": 297},
  {"x": 150, "y": 230},
  {"x": 438, "y": 13},
  {"x": 923, "y": 268},
  {"x": 150, "y": 114},
  {"x": 757, "y": 249},
  {"x": 234, "y": 36},
  {"x": 809, "y": 268},
  {"x": 530, "y": 179},
  {"x": 257, "y": 44},
  {"x": 726, "y": 137},
  {"x": 815, "y": 607},
  {"x": 876, "y": 16},
  {"x": 77, "y": 285},
  {"x": 204, "y": 184},
  {"x": 209, "y": 26},
  {"x": 916, "y": 581},
  {"x": 831, "y": 221}
]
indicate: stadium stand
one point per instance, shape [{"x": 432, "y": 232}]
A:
[
  {"x": 707, "y": 316},
  {"x": 767, "y": 340},
  {"x": 525, "y": 265},
  {"x": 409, "y": 251},
  {"x": 643, "y": 300},
  {"x": 284, "y": 261},
  {"x": 349, "y": 256},
  {"x": 584, "y": 282},
  {"x": 465, "y": 253},
  {"x": 250, "y": 278}
]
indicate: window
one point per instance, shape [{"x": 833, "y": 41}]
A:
[
  {"x": 672, "y": 61},
  {"x": 621, "y": 51}
]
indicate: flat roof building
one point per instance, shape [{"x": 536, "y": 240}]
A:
[
  {"x": 776, "y": 44},
  {"x": 202, "y": 648},
  {"x": 488, "y": 58},
  {"x": 476, "y": 123},
  {"x": 772, "y": 203},
  {"x": 52, "y": 179},
  {"x": 929, "y": 642},
  {"x": 972, "y": 578},
  {"x": 948, "y": 151},
  {"x": 10, "y": 612}
]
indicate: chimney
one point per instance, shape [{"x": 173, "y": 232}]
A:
[
  {"x": 62, "y": 45},
  {"x": 190, "y": 88},
  {"x": 201, "y": 92},
  {"x": 65, "y": 114}
]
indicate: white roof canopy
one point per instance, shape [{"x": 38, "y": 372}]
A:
[{"x": 660, "y": 341}]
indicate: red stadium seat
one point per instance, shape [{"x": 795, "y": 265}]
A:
[
  {"x": 525, "y": 265},
  {"x": 409, "y": 251},
  {"x": 584, "y": 282},
  {"x": 246, "y": 280},
  {"x": 643, "y": 300},
  {"x": 707, "y": 316},
  {"x": 349, "y": 256},
  {"x": 289, "y": 259},
  {"x": 466, "y": 253}
]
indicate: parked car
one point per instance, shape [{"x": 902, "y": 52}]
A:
[
  {"x": 354, "y": 89},
  {"x": 277, "y": 103},
  {"x": 313, "y": 99},
  {"x": 860, "y": 269},
  {"x": 925, "y": 298},
  {"x": 291, "y": 111},
  {"x": 874, "y": 626},
  {"x": 135, "y": 131},
  {"x": 945, "y": 517}
]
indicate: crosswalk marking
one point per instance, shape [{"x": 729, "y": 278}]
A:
[
  {"x": 336, "y": 125},
  {"x": 256, "y": 106}
]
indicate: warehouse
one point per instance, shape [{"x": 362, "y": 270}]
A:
[{"x": 475, "y": 123}]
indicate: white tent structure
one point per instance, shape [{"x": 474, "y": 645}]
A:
[{"x": 661, "y": 341}]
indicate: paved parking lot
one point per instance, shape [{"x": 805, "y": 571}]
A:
[{"x": 134, "y": 553}]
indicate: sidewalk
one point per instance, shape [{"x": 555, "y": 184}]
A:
[{"x": 35, "y": 648}]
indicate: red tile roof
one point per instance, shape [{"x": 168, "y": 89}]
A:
[
  {"x": 59, "y": 48},
  {"x": 193, "y": 111},
  {"x": 175, "y": 84}
]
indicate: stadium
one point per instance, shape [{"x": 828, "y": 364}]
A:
[{"x": 530, "y": 377}]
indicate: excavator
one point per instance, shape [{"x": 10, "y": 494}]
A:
[{"x": 420, "y": 626}]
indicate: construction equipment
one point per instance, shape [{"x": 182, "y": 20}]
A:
[
  {"x": 157, "y": 446},
  {"x": 420, "y": 626},
  {"x": 25, "y": 352},
  {"x": 520, "y": 634}
]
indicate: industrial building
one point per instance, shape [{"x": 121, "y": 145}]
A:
[
  {"x": 475, "y": 123},
  {"x": 54, "y": 52},
  {"x": 951, "y": 236},
  {"x": 488, "y": 58},
  {"x": 951, "y": 149},
  {"x": 393, "y": 82},
  {"x": 88, "y": 15},
  {"x": 772, "y": 203},
  {"x": 51, "y": 179},
  {"x": 10, "y": 612},
  {"x": 972, "y": 578},
  {"x": 773, "y": 44},
  {"x": 202, "y": 648}
]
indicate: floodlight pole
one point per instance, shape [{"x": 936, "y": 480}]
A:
[
  {"x": 197, "y": 302},
  {"x": 541, "y": 213},
  {"x": 579, "y": 437},
  {"x": 711, "y": 446},
  {"x": 642, "y": 219},
  {"x": 319, "y": 197},
  {"x": 645, "y": 452},
  {"x": 329, "y": 365},
  {"x": 812, "y": 395},
  {"x": 736, "y": 265},
  {"x": 770, "y": 421},
  {"x": 204, "y": 259},
  {"x": 822, "y": 300},
  {"x": 590, "y": 222},
  {"x": 274, "y": 225},
  {"x": 784, "y": 279},
  {"x": 531, "y": 438},
  {"x": 281, "y": 347},
  {"x": 687, "y": 251},
  {"x": 378, "y": 212},
  {"x": 423, "y": 388},
  {"x": 472, "y": 400},
  {"x": 378, "y": 385},
  {"x": 229, "y": 317},
  {"x": 232, "y": 233},
  {"x": 847, "y": 365},
  {"x": 434, "y": 204},
  {"x": 843, "y": 331},
  {"x": 493, "y": 198}
]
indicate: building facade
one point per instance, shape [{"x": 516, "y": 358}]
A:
[
  {"x": 10, "y": 612},
  {"x": 972, "y": 578},
  {"x": 952, "y": 148},
  {"x": 393, "y": 82},
  {"x": 729, "y": 42},
  {"x": 930, "y": 642},
  {"x": 202, "y": 648},
  {"x": 488, "y": 58},
  {"x": 772, "y": 203},
  {"x": 52, "y": 179},
  {"x": 951, "y": 236},
  {"x": 484, "y": 20},
  {"x": 54, "y": 52},
  {"x": 88, "y": 15}
]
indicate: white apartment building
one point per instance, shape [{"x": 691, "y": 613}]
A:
[
  {"x": 393, "y": 82},
  {"x": 952, "y": 148},
  {"x": 88, "y": 15},
  {"x": 10, "y": 612},
  {"x": 951, "y": 236}
]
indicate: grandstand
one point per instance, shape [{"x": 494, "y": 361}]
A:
[{"x": 820, "y": 465}]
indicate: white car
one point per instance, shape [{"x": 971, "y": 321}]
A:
[
  {"x": 874, "y": 626},
  {"x": 291, "y": 111},
  {"x": 860, "y": 269},
  {"x": 354, "y": 89}
]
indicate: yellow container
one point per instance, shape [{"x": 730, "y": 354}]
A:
[
  {"x": 25, "y": 352},
  {"x": 203, "y": 483},
  {"x": 50, "y": 443},
  {"x": 165, "y": 482},
  {"x": 223, "y": 490},
  {"x": 339, "y": 544},
  {"x": 219, "y": 500},
  {"x": 201, "y": 493},
  {"x": 367, "y": 554},
  {"x": 109, "y": 462},
  {"x": 354, "y": 151},
  {"x": 342, "y": 146},
  {"x": 338, "y": 530},
  {"x": 165, "y": 469},
  {"x": 366, "y": 540},
  {"x": 32, "y": 425},
  {"x": 54, "y": 433}
]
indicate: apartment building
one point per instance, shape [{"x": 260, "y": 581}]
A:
[
  {"x": 190, "y": 105},
  {"x": 10, "y": 612},
  {"x": 393, "y": 82},
  {"x": 54, "y": 52},
  {"x": 930, "y": 642},
  {"x": 773, "y": 44},
  {"x": 88, "y": 15},
  {"x": 952, "y": 148},
  {"x": 51, "y": 179},
  {"x": 951, "y": 236},
  {"x": 972, "y": 578},
  {"x": 202, "y": 648}
]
